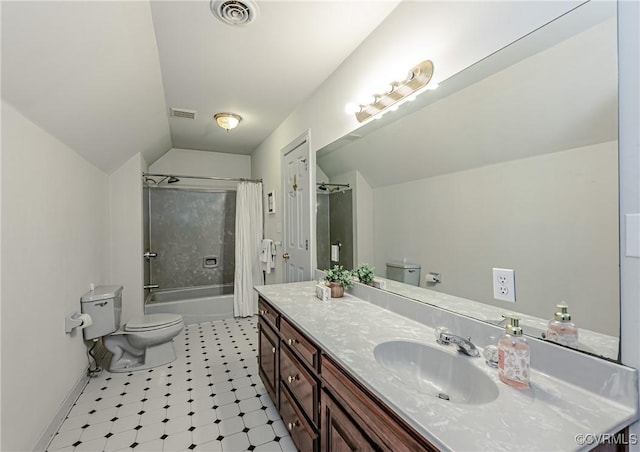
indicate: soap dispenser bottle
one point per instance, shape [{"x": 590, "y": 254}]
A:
[
  {"x": 513, "y": 355},
  {"x": 560, "y": 328}
]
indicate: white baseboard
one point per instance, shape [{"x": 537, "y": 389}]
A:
[
  {"x": 66, "y": 405},
  {"x": 63, "y": 411}
]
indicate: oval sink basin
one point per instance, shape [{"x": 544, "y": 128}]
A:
[{"x": 436, "y": 373}]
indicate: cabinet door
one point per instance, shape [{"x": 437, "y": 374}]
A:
[
  {"x": 339, "y": 432},
  {"x": 268, "y": 359},
  {"x": 377, "y": 421}
]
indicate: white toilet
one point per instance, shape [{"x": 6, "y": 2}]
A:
[
  {"x": 143, "y": 343},
  {"x": 404, "y": 272}
]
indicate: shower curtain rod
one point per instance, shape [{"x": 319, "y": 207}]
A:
[
  {"x": 332, "y": 185},
  {"x": 232, "y": 179}
]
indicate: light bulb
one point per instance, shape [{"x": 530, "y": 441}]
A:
[{"x": 351, "y": 108}]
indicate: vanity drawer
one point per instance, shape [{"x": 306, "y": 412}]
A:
[
  {"x": 380, "y": 423},
  {"x": 268, "y": 313},
  {"x": 307, "y": 352},
  {"x": 302, "y": 384},
  {"x": 303, "y": 435}
]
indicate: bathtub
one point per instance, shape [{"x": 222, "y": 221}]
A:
[{"x": 194, "y": 304}]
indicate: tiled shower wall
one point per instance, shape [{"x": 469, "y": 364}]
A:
[
  {"x": 334, "y": 223},
  {"x": 185, "y": 227},
  {"x": 322, "y": 231},
  {"x": 341, "y": 225}
]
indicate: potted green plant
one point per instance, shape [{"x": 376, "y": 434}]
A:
[
  {"x": 337, "y": 279},
  {"x": 365, "y": 274}
]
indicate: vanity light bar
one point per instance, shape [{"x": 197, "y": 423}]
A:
[{"x": 417, "y": 78}]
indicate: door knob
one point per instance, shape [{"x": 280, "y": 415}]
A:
[{"x": 285, "y": 256}]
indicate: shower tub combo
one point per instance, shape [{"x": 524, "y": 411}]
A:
[
  {"x": 189, "y": 238},
  {"x": 195, "y": 304}
]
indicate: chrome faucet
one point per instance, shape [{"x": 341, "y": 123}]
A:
[{"x": 464, "y": 345}]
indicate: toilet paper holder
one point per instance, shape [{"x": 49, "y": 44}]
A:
[{"x": 74, "y": 320}]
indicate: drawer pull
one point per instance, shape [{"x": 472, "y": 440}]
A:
[
  {"x": 263, "y": 311},
  {"x": 273, "y": 350},
  {"x": 291, "y": 341},
  {"x": 291, "y": 425},
  {"x": 292, "y": 378}
]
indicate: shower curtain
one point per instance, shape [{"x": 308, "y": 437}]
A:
[{"x": 248, "y": 238}]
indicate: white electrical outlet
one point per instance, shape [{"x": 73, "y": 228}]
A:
[{"x": 504, "y": 284}]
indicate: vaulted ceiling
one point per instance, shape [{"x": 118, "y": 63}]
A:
[
  {"x": 554, "y": 90},
  {"x": 102, "y": 76}
]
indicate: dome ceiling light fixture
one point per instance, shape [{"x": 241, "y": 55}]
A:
[
  {"x": 234, "y": 12},
  {"x": 227, "y": 121}
]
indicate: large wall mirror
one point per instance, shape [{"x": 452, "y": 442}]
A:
[{"x": 511, "y": 163}]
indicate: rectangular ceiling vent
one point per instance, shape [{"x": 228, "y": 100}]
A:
[{"x": 183, "y": 113}]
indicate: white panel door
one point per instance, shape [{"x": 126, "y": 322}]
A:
[{"x": 297, "y": 213}]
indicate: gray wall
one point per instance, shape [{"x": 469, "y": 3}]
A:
[
  {"x": 552, "y": 218},
  {"x": 187, "y": 225}
]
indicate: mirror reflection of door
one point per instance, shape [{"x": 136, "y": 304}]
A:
[{"x": 297, "y": 208}]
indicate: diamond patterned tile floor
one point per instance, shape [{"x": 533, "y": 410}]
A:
[{"x": 210, "y": 399}]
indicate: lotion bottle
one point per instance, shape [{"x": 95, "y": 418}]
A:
[
  {"x": 513, "y": 355},
  {"x": 560, "y": 328}
]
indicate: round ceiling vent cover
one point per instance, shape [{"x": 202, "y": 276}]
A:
[{"x": 235, "y": 12}]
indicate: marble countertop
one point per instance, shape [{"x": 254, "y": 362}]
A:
[{"x": 547, "y": 416}]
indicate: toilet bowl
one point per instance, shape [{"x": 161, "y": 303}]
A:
[{"x": 144, "y": 342}]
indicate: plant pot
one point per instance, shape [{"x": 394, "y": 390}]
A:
[{"x": 337, "y": 290}]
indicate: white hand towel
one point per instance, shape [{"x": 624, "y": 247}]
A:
[
  {"x": 265, "y": 250},
  {"x": 267, "y": 255}
]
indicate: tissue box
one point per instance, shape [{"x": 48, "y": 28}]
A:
[
  {"x": 323, "y": 292},
  {"x": 379, "y": 284}
]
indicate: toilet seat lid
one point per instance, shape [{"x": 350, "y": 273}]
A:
[{"x": 152, "y": 322}]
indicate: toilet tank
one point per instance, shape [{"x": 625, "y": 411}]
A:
[
  {"x": 404, "y": 272},
  {"x": 104, "y": 305}
]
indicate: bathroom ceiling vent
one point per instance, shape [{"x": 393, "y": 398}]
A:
[
  {"x": 183, "y": 113},
  {"x": 235, "y": 12}
]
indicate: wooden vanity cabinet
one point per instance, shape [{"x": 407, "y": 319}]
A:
[
  {"x": 294, "y": 380},
  {"x": 322, "y": 406},
  {"x": 299, "y": 386},
  {"x": 355, "y": 419}
]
